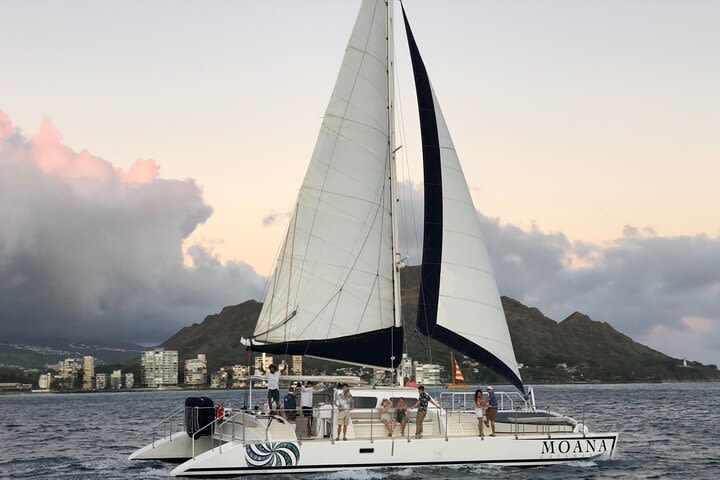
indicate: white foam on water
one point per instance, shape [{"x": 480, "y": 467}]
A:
[
  {"x": 356, "y": 475},
  {"x": 581, "y": 464}
]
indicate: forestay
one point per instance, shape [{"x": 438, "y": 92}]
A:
[{"x": 332, "y": 286}]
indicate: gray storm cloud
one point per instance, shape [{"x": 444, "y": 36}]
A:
[
  {"x": 89, "y": 251},
  {"x": 662, "y": 291}
]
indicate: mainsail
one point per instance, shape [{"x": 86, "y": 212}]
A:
[
  {"x": 459, "y": 304},
  {"x": 333, "y": 286}
]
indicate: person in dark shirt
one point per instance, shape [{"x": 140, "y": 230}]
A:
[
  {"x": 422, "y": 406},
  {"x": 491, "y": 410},
  {"x": 290, "y": 404}
]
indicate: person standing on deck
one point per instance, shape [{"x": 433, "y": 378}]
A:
[
  {"x": 306, "y": 404},
  {"x": 491, "y": 410},
  {"x": 481, "y": 405},
  {"x": 273, "y": 383},
  {"x": 422, "y": 405},
  {"x": 344, "y": 402}
]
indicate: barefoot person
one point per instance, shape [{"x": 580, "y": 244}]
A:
[
  {"x": 273, "y": 384},
  {"x": 401, "y": 415},
  {"x": 344, "y": 403},
  {"x": 385, "y": 416},
  {"x": 422, "y": 406},
  {"x": 481, "y": 405},
  {"x": 491, "y": 410}
]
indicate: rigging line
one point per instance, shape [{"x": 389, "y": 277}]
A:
[
  {"x": 352, "y": 267},
  {"x": 287, "y": 300},
  {"x": 347, "y": 277},
  {"x": 332, "y": 154},
  {"x": 278, "y": 268}
]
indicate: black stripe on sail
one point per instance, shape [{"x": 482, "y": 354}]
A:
[
  {"x": 369, "y": 348},
  {"x": 433, "y": 227},
  {"x": 433, "y": 223}
]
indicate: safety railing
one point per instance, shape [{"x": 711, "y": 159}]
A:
[{"x": 506, "y": 400}]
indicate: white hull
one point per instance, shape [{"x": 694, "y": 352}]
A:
[{"x": 235, "y": 458}]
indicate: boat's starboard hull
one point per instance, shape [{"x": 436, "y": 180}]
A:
[{"x": 321, "y": 456}]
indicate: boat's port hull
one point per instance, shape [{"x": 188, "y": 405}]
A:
[
  {"x": 175, "y": 448},
  {"x": 236, "y": 458}
]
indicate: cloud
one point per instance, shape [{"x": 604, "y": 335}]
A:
[
  {"x": 91, "y": 251},
  {"x": 662, "y": 291},
  {"x": 271, "y": 218}
]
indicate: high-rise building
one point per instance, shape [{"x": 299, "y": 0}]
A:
[
  {"x": 196, "y": 371},
  {"x": 100, "y": 381},
  {"x": 219, "y": 379},
  {"x": 297, "y": 364},
  {"x": 68, "y": 373},
  {"x": 263, "y": 360},
  {"x": 159, "y": 368},
  {"x": 129, "y": 380},
  {"x": 116, "y": 380},
  {"x": 88, "y": 372},
  {"x": 427, "y": 373},
  {"x": 406, "y": 366},
  {"x": 239, "y": 376},
  {"x": 45, "y": 381}
]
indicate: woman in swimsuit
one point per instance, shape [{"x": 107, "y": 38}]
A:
[
  {"x": 401, "y": 415},
  {"x": 385, "y": 416},
  {"x": 481, "y": 404}
]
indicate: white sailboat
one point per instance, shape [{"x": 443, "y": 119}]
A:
[{"x": 335, "y": 294}]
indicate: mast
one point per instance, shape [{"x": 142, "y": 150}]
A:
[{"x": 392, "y": 150}]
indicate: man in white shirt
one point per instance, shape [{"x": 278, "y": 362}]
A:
[
  {"x": 306, "y": 402},
  {"x": 273, "y": 383}
]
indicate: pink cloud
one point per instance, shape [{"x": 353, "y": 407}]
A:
[
  {"x": 52, "y": 157},
  {"x": 6, "y": 126},
  {"x": 698, "y": 324}
]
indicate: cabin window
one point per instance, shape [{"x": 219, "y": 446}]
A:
[
  {"x": 365, "y": 402},
  {"x": 409, "y": 401},
  {"x": 367, "y": 450}
]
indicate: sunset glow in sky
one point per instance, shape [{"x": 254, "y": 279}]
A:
[{"x": 571, "y": 118}]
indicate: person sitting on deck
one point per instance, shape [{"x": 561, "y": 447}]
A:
[
  {"x": 344, "y": 402},
  {"x": 273, "y": 383},
  {"x": 491, "y": 410},
  {"x": 422, "y": 405},
  {"x": 385, "y": 416},
  {"x": 401, "y": 415},
  {"x": 481, "y": 404}
]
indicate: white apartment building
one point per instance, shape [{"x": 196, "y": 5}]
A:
[
  {"x": 406, "y": 366},
  {"x": 88, "y": 372},
  {"x": 264, "y": 360},
  {"x": 159, "y": 368},
  {"x": 45, "y": 381},
  {"x": 129, "y": 380},
  {"x": 427, "y": 373},
  {"x": 100, "y": 381},
  {"x": 116, "y": 380},
  {"x": 196, "y": 371}
]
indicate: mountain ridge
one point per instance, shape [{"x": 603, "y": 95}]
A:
[{"x": 576, "y": 349}]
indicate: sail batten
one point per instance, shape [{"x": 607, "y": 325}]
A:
[
  {"x": 459, "y": 304},
  {"x": 336, "y": 268}
]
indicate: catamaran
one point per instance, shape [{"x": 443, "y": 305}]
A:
[{"x": 335, "y": 294}]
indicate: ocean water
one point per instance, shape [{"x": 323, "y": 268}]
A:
[{"x": 666, "y": 431}]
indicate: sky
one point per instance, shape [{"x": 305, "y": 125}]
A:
[{"x": 151, "y": 152}]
